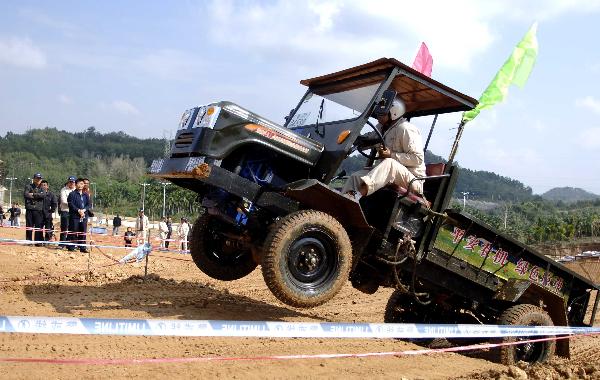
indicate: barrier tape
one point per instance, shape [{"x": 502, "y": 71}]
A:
[
  {"x": 33, "y": 242},
  {"x": 67, "y": 232},
  {"x": 426, "y": 351},
  {"x": 68, "y": 243},
  {"x": 263, "y": 329}
]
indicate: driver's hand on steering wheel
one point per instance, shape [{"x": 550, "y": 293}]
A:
[{"x": 384, "y": 152}]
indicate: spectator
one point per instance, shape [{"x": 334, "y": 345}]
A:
[
  {"x": 86, "y": 189},
  {"x": 169, "y": 231},
  {"x": 34, "y": 203},
  {"x": 49, "y": 207},
  {"x": 63, "y": 209},
  {"x": 79, "y": 209},
  {"x": 163, "y": 230},
  {"x": 183, "y": 230},
  {"x": 1, "y": 216},
  {"x": 116, "y": 224},
  {"x": 128, "y": 237},
  {"x": 141, "y": 227},
  {"x": 15, "y": 214}
]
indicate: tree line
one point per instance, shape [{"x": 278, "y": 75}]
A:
[{"x": 116, "y": 163}]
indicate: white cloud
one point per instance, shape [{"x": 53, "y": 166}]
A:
[
  {"x": 326, "y": 10},
  {"x": 21, "y": 52},
  {"x": 64, "y": 99},
  {"x": 124, "y": 107},
  {"x": 347, "y": 32},
  {"x": 339, "y": 33},
  {"x": 590, "y": 138},
  {"x": 589, "y": 102}
]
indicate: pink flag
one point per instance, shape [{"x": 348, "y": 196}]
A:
[{"x": 423, "y": 61}]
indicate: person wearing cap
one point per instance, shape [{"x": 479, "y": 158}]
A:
[
  {"x": 403, "y": 158},
  {"x": 63, "y": 210},
  {"x": 79, "y": 207},
  {"x": 141, "y": 227},
  {"x": 34, "y": 204}
]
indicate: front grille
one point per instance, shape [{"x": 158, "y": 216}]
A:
[{"x": 184, "y": 139}]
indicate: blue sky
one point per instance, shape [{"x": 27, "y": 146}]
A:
[{"x": 134, "y": 66}]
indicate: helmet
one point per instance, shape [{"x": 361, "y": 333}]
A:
[{"x": 397, "y": 109}]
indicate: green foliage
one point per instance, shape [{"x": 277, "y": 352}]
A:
[
  {"x": 491, "y": 186},
  {"x": 540, "y": 221},
  {"x": 115, "y": 162}
]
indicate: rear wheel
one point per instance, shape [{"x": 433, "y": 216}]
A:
[
  {"x": 526, "y": 315},
  {"x": 307, "y": 258},
  {"x": 216, "y": 253},
  {"x": 403, "y": 308}
]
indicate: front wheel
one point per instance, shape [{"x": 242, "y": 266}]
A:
[
  {"x": 307, "y": 258},
  {"x": 526, "y": 315},
  {"x": 216, "y": 253}
]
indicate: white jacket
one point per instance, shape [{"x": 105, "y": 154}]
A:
[
  {"x": 64, "y": 194},
  {"x": 162, "y": 227},
  {"x": 183, "y": 230},
  {"x": 404, "y": 141},
  {"x": 141, "y": 224}
]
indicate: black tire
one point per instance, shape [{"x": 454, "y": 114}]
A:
[
  {"x": 526, "y": 315},
  {"x": 403, "y": 308},
  {"x": 307, "y": 258},
  {"x": 212, "y": 255}
]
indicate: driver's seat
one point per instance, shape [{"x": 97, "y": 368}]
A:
[{"x": 378, "y": 207}]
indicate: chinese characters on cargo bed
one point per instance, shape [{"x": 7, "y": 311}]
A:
[{"x": 522, "y": 268}]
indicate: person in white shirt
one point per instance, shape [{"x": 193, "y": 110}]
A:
[
  {"x": 403, "y": 158},
  {"x": 63, "y": 210},
  {"x": 183, "y": 230},
  {"x": 141, "y": 227},
  {"x": 163, "y": 230}
]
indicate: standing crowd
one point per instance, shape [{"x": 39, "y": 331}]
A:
[{"x": 73, "y": 204}]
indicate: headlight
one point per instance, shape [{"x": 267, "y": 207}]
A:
[
  {"x": 207, "y": 116},
  {"x": 185, "y": 118}
]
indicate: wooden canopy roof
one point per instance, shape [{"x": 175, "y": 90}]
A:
[{"x": 422, "y": 95}]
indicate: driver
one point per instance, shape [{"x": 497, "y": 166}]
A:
[{"x": 403, "y": 157}]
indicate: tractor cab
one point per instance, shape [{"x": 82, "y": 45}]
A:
[{"x": 338, "y": 107}]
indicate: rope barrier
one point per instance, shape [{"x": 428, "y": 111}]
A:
[{"x": 45, "y": 324}]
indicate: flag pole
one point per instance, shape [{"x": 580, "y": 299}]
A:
[
  {"x": 454, "y": 149},
  {"x": 430, "y": 132}
]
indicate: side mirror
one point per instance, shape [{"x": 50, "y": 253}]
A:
[{"x": 383, "y": 106}]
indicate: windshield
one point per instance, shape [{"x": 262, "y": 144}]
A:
[{"x": 335, "y": 106}]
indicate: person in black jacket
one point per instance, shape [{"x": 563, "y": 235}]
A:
[
  {"x": 34, "y": 203},
  {"x": 50, "y": 204},
  {"x": 116, "y": 224},
  {"x": 15, "y": 213},
  {"x": 79, "y": 210},
  {"x": 169, "y": 231}
]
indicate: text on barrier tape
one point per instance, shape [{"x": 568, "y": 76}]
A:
[{"x": 263, "y": 329}]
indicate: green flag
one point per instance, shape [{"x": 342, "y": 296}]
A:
[{"x": 515, "y": 70}]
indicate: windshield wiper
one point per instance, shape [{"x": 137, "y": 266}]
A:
[{"x": 319, "y": 117}]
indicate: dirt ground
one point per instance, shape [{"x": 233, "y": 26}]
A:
[{"x": 178, "y": 290}]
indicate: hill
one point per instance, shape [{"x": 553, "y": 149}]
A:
[
  {"x": 569, "y": 195},
  {"x": 117, "y": 156}
]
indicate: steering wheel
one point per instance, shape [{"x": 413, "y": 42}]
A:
[{"x": 361, "y": 149}]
